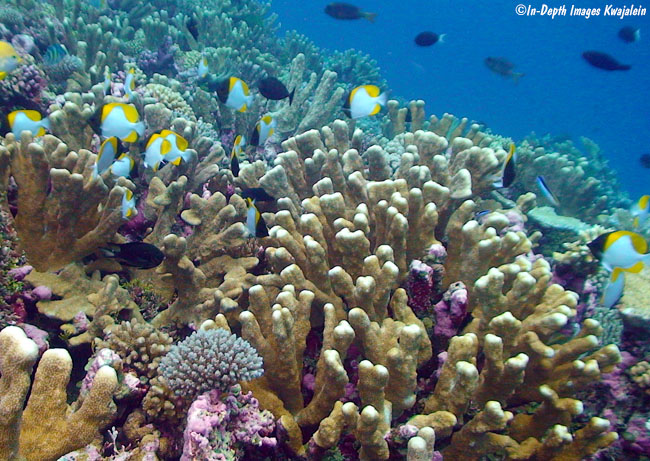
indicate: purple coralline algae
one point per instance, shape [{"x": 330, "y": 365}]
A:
[{"x": 220, "y": 426}]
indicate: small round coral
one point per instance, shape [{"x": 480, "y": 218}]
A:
[{"x": 207, "y": 360}]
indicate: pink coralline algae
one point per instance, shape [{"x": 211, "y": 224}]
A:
[
  {"x": 450, "y": 313},
  {"x": 222, "y": 426},
  {"x": 25, "y": 84}
]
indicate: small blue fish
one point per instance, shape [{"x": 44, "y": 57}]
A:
[
  {"x": 547, "y": 192},
  {"x": 54, "y": 54}
]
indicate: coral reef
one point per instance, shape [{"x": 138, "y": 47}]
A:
[{"x": 399, "y": 308}]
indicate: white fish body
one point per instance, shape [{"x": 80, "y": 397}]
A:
[
  {"x": 203, "y": 69},
  {"x": 117, "y": 124},
  {"x": 237, "y": 98},
  {"x": 105, "y": 157},
  {"x": 362, "y": 104},
  {"x": 25, "y": 121},
  {"x": 128, "y": 205},
  {"x": 622, "y": 254},
  {"x": 614, "y": 289},
  {"x": 122, "y": 166}
]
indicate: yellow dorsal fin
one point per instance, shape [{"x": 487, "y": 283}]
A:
[
  {"x": 267, "y": 119},
  {"x": 129, "y": 194},
  {"x": 152, "y": 139},
  {"x": 372, "y": 90},
  {"x": 33, "y": 115},
  {"x": 232, "y": 83},
  {"x": 353, "y": 93},
  {"x": 511, "y": 152},
  {"x": 643, "y": 202},
  {"x": 638, "y": 242},
  {"x": 130, "y": 112}
]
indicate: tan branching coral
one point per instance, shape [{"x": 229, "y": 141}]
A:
[
  {"x": 48, "y": 427},
  {"x": 54, "y": 226}
]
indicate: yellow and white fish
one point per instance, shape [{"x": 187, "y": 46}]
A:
[
  {"x": 237, "y": 153},
  {"x": 9, "y": 59},
  {"x": 203, "y": 69},
  {"x": 621, "y": 250},
  {"x": 128, "y": 205},
  {"x": 254, "y": 221},
  {"x": 234, "y": 92},
  {"x": 179, "y": 151},
  {"x": 119, "y": 120},
  {"x": 263, "y": 130},
  {"x": 364, "y": 100},
  {"x": 157, "y": 148},
  {"x": 614, "y": 289},
  {"x": 28, "y": 120},
  {"x": 640, "y": 210},
  {"x": 123, "y": 166},
  {"x": 107, "y": 80},
  {"x": 110, "y": 149},
  {"x": 129, "y": 83}
]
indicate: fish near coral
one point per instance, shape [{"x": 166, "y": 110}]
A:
[
  {"x": 263, "y": 130},
  {"x": 155, "y": 151},
  {"x": 640, "y": 210},
  {"x": 274, "y": 89},
  {"x": 54, "y": 54},
  {"x": 128, "y": 205},
  {"x": 110, "y": 149},
  {"x": 134, "y": 254},
  {"x": 202, "y": 70},
  {"x": 236, "y": 153},
  {"x": 339, "y": 10},
  {"x": 178, "y": 150},
  {"x": 233, "y": 92},
  {"x": 509, "y": 171},
  {"x": 129, "y": 83},
  {"x": 9, "y": 59},
  {"x": 255, "y": 221},
  {"x": 619, "y": 252},
  {"x": 621, "y": 249},
  {"x": 119, "y": 120},
  {"x": 106, "y": 85},
  {"x": 547, "y": 192},
  {"x": 257, "y": 194},
  {"x": 27, "y": 120},
  {"x": 123, "y": 166},
  {"x": 364, "y": 100},
  {"x": 503, "y": 67},
  {"x": 603, "y": 61}
]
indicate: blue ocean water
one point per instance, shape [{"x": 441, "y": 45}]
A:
[{"x": 560, "y": 94}]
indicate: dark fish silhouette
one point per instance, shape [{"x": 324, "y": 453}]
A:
[
  {"x": 135, "y": 254},
  {"x": 428, "y": 38},
  {"x": 503, "y": 67},
  {"x": 645, "y": 160},
  {"x": 346, "y": 11},
  {"x": 193, "y": 26},
  {"x": 257, "y": 194},
  {"x": 272, "y": 88},
  {"x": 603, "y": 61},
  {"x": 629, "y": 34}
]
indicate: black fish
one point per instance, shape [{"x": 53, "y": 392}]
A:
[
  {"x": 234, "y": 164},
  {"x": 645, "y": 160},
  {"x": 258, "y": 194},
  {"x": 428, "y": 38},
  {"x": 272, "y": 88},
  {"x": 135, "y": 254},
  {"x": 193, "y": 26},
  {"x": 95, "y": 121},
  {"x": 603, "y": 61},
  {"x": 346, "y": 11},
  {"x": 503, "y": 67},
  {"x": 629, "y": 34}
]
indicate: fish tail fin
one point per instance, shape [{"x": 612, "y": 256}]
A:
[
  {"x": 370, "y": 16},
  {"x": 291, "y": 96},
  {"x": 382, "y": 98},
  {"x": 45, "y": 123},
  {"x": 139, "y": 128},
  {"x": 441, "y": 38},
  {"x": 624, "y": 67},
  {"x": 516, "y": 76}
]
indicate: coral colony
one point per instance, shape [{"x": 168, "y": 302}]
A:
[{"x": 366, "y": 284}]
